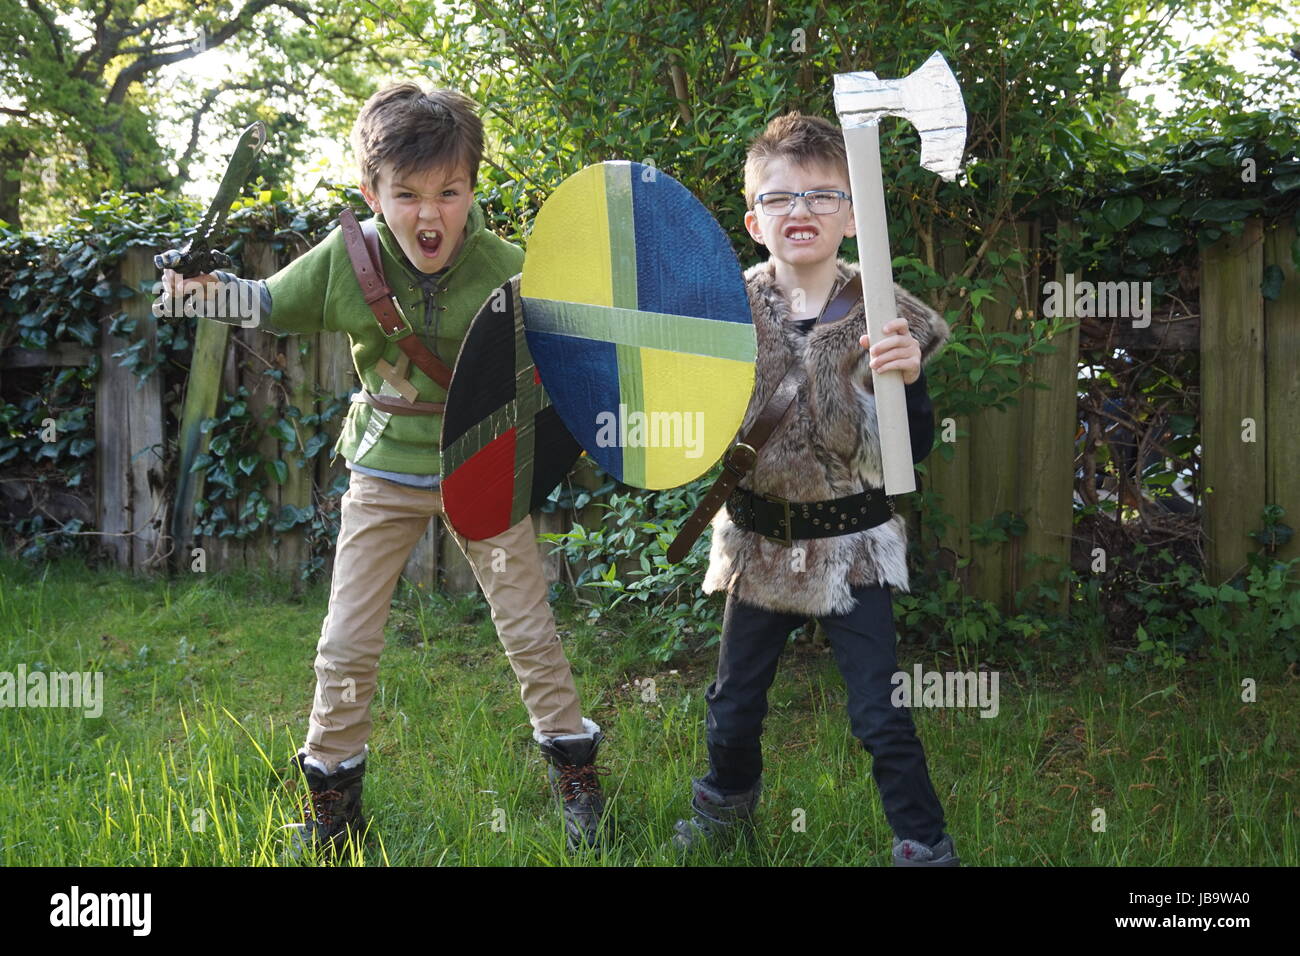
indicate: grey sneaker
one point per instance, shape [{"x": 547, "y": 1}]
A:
[
  {"x": 716, "y": 818},
  {"x": 915, "y": 853}
]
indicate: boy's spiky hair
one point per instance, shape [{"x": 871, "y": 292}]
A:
[
  {"x": 416, "y": 130},
  {"x": 804, "y": 139}
]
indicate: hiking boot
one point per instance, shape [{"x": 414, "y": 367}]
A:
[
  {"x": 916, "y": 853},
  {"x": 717, "y": 817},
  {"x": 331, "y": 808},
  {"x": 574, "y": 780}
]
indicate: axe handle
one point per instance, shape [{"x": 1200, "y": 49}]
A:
[{"x": 875, "y": 263}]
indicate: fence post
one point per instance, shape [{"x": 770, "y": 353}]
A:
[
  {"x": 1282, "y": 345},
  {"x": 260, "y": 353},
  {"x": 300, "y": 379},
  {"x": 1233, "y": 423},
  {"x": 228, "y": 552},
  {"x": 996, "y": 458},
  {"x": 1050, "y": 421},
  {"x": 130, "y": 505},
  {"x": 202, "y": 393},
  {"x": 950, "y": 479}
]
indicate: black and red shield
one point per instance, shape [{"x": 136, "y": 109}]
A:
[{"x": 504, "y": 448}]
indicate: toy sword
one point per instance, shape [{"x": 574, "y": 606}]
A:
[{"x": 198, "y": 256}]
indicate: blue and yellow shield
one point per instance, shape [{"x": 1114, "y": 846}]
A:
[{"x": 636, "y": 314}]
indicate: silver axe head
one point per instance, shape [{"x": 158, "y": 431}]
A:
[{"x": 929, "y": 98}]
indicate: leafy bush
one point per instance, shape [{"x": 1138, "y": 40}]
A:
[
  {"x": 63, "y": 287},
  {"x": 627, "y": 565},
  {"x": 1151, "y": 612}
]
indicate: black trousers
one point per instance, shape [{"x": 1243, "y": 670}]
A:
[{"x": 864, "y": 644}]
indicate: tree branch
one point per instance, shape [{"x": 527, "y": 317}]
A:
[
  {"x": 209, "y": 97},
  {"x": 160, "y": 48},
  {"x": 183, "y": 163},
  {"x": 93, "y": 50},
  {"x": 40, "y": 12},
  {"x": 147, "y": 25},
  {"x": 134, "y": 72}
]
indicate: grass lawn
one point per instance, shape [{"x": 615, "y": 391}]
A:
[{"x": 208, "y": 681}]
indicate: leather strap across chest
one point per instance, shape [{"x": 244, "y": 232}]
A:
[
  {"x": 362, "y": 241},
  {"x": 741, "y": 457}
]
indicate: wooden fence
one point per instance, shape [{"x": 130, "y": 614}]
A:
[
  {"x": 147, "y": 522},
  {"x": 1020, "y": 459}
]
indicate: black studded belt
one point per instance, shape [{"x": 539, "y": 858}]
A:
[{"x": 784, "y": 521}]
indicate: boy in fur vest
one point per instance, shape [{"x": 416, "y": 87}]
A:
[{"x": 821, "y": 458}]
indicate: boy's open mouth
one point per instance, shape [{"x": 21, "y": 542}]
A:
[
  {"x": 430, "y": 241},
  {"x": 800, "y": 233}
]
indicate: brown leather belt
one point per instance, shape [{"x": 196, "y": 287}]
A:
[
  {"x": 398, "y": 406},
  {"x": 740, "y": 458}
]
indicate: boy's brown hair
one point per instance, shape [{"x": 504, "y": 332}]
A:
[
  {"x": 416, "y": 130},
  {"x": 803, "y": 139}
]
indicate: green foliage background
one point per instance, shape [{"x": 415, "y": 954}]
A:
[{"x": 1053, "y": 136}]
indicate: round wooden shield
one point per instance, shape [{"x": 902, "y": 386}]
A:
[
  {"x": 637, "y": 316},
  {"x": 504, "y": 448}
]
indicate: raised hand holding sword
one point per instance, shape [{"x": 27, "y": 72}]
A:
[{"x": 194, "y": 262}]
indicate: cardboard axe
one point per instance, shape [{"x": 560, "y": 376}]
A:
[{"x": 930, "y": 99}]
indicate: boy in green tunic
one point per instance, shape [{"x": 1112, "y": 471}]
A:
[{"x": 419, "y": 155}]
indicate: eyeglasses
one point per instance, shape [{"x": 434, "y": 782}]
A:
[{"x": 822, "y": 202}]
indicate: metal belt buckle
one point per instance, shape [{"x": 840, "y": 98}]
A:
[
  {"x": 405, "y": 330},
  {"x": 785, "y": 507},
  {"x": 740, "y": 454}
]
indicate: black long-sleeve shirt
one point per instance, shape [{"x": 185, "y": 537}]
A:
[{"x": 920, "y": 417}]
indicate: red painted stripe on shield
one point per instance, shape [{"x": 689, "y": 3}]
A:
[{"x": 481, "y": 490}]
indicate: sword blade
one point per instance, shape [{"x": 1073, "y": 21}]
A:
[{"x": 241, "y": 163}]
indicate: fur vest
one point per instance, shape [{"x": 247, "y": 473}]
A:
[{"x": 827, "y": 447}]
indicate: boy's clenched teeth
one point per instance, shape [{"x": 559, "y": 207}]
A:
[{"x": 800, "y": 233}]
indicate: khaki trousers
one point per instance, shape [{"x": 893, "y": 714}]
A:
[{"x": 381, "y": 523}]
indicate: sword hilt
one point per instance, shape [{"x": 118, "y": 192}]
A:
[
  {"x": 190, "y": 261},
  {"x": 169, "y": 259}
]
